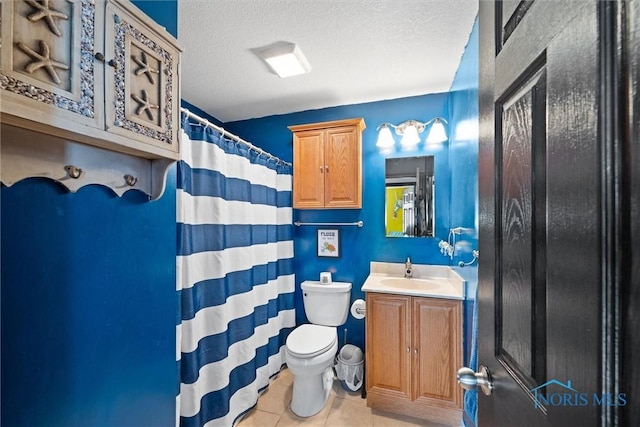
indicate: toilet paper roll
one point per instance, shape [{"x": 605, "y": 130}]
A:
[{"x": 358, "y": 309}]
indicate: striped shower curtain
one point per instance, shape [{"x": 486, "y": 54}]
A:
[{"x": 235, "y": 278}]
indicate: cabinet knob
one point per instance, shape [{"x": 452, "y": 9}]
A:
[
  {"x": 99, "y": 56},
  {"x": 321, "y": 169},
  {"x": 326, "y": 168},
  {"x": 112, "y": 63},
  {"x": 408, "y": 350},
  {"x": 415, "y": 351}
]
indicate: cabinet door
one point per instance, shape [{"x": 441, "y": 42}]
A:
[
  {"x": 141, "y": 80},
  {"x": 388, "y": 343},
  {"x": 309, "y": 171},
  {"x": 343, "y": 168},
  {"x": 437, "y": 339},
  {"x": 49, "y": 76}
]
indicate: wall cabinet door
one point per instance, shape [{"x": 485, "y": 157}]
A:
[
  {"x": 343, "y": 170},
  {"x": 142, "y": 97},
  {"x": 308, "y": 174},
  {"x": 327, "y": 162},
  {"x": 48, "y": 71},
  {"x": 413, "y": 350}
]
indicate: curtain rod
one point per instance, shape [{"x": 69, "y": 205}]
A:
[{"x": 232, "y": 136}]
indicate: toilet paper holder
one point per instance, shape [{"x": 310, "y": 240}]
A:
[{"x": 359, "y": 309}]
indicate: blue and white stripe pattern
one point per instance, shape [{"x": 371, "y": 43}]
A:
[{"x": 235, "y": 278}]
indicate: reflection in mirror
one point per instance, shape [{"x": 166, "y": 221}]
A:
[{"x": 409, "y": 197}]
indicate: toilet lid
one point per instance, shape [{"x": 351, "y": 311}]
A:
[{"x": 311, "y": 340}]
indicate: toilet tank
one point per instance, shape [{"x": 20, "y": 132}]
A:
[{"x": 326, "y": 305}]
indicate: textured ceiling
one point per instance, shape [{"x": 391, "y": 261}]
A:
[{"x": 359, "y": 51}]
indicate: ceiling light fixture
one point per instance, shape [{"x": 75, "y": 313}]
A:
[
  {"x": 285, "y": 59},
  {"x": 410, "y": 130}
]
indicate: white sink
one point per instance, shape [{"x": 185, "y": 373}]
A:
[
  {"x": 410, "y": 283},
  {"x": 438, "y": 281}
]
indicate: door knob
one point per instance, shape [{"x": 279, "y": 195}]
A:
[{"x": 470, "y": 380}]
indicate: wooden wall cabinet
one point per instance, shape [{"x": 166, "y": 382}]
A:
[
  {"x": 413, "y": 351},
  {"x": 96, "y": 73},
  {"x": 327, "y": 165}
]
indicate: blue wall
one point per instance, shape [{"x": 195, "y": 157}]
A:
[
  {"x": 463, "y": 149},
  {"x": 359, "y": 246},
  {"x": 198, "y": 112},
  {"x": 164, "y": 12},
  {"x": 88, "y": 301},
  {"x": 463, "y": 146}
]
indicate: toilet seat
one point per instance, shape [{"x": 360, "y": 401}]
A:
[{"x": 310, "y": 340}]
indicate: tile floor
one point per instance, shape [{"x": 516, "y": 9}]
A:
[{"x": 343, "y": 409}]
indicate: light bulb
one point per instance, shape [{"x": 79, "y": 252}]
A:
[
  {"x": 437, "y": 133},
  {"x": 410, "y": 136},
  {"x": 385, "y": 139}
]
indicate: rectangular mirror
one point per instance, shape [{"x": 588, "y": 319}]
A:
[{"x": 409, "y": 196}]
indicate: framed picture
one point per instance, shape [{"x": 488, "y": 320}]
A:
[{"x": 329, "y": 243}]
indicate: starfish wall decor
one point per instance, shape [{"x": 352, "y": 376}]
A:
[
  {"x": 144, "y": 104},
  {"x": 145, "y": 68},
  {"x": 42, "y": 59},
  {"x": 44, "y": 11}
]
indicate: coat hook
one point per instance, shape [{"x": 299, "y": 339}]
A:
[
  {"x": 73, "y": 171},
  {"x": 130, "y": 180}
]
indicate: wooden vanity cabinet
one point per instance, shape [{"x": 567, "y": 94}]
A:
[
  {"x": 327, "y": 165},
  {"x": 413, "y": 351}
]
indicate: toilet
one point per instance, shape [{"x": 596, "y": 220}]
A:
[{"x": 311, "y": 348}]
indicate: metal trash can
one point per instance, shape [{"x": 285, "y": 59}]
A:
[{"x": 350, "y": 367}]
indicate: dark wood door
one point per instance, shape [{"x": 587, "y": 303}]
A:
[
  {"x": 551, "y": 178},
  {"x": 630, "y": 325}
]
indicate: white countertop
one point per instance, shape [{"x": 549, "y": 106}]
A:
[{"x": 435, "y": 281}]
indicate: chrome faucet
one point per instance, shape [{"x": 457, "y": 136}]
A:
[{"x": 408, "y": 268}]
